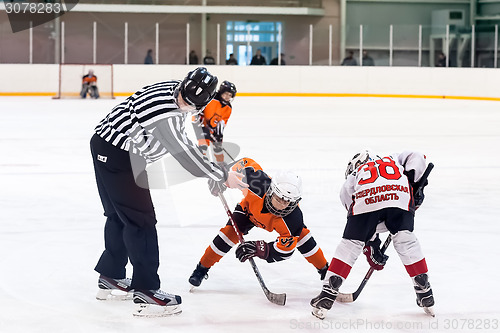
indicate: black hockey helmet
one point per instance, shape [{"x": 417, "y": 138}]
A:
[
  {"x": 198, "y": 88},
  {"x": 227, "y": 86}
]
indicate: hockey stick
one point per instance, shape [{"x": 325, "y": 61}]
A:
[
  {"x": 348, "y": 298},
  {"x": 224, "y": 149},
  {"x": 222, "y": 146},
  {"x": 278, "y": 299}
]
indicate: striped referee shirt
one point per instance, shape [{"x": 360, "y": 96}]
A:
[{"x": 150, "y": 124}]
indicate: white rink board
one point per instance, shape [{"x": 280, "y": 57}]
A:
[
  {"x": 460, "y": 82},
  {"x": 71, "y": 76}
]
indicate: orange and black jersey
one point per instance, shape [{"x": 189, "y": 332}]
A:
[
  {"x": 252, "y": 211},
  {"x": 216, "y": 111},
  {"x": 89, "y": 79}
]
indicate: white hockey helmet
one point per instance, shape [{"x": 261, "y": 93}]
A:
[
  {"x": 359, "y": 159},
  {"x": 286, "y": 186}
]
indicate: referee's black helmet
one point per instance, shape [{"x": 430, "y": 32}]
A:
[{"x": 199, "y": 87}]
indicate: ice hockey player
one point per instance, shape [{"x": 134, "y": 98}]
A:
[
  {"x": 89, "y": 85},
  {"x": 210, "y": 123},
  {"x": 380, "y": 195},
  {"x": 143, "y": 128},
  {"x": 270, "y": 204}
]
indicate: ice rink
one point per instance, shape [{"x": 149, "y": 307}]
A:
[{"x": 51, "y": 230}]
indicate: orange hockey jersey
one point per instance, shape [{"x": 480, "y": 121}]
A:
[
  {"x": 252, "y": 211},
  {"x": 214, "y": 112},
  {"x": 289, "y": 227},
  {"x": 89, "y": 79}
]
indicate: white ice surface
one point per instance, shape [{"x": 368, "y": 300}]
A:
[{"x": 51, "y": 230}]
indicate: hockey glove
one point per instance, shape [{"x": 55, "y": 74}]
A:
[
  {"x": 374, "y": 256},
  {"x": 218, "y": 131},
  {"x": 419, "y": 196},
  {"x": 247, "y": 250},
  {"x": 197, "y": 120},
  {"x": 418, "y": 188},
  {"x": 216, "y": 187}
]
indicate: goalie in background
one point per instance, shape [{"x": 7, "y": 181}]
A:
[
  {"x": 89, "y": 85},
  {"x": 270, "y": 204},
  {"x": 209, "y": 124},
  {"x": 380, "y": 194}
]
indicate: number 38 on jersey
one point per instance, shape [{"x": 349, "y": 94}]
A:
[
  {"x": 379, "y": 184},
  {"x": 385, "y": 168}
]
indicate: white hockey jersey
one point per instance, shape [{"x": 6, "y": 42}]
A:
[{"x": 381, "y": 183}]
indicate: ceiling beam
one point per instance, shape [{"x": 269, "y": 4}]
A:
[{"x": 165, "y": 9}]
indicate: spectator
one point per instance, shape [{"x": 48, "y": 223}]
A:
[
  {"x": 193, "y": 58},
  {"x": 209, "y": 60},
  {"x": 258, "y": 59},
  {"x": 149, "y": 58},
  {"x": 367, "y": 60},
  {"x": 441, "y": 62},
  {"x": 275, "y": 60},
  {"x": 349, "y": 60},
  {"x": 232, "y": 60},
  {"x": 89, "y": 85}
]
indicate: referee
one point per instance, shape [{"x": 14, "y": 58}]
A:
[{"x": 140, "y": 130}]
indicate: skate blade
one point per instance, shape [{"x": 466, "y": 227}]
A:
[
  {"x": 430, "y": 311},
  {"x": 192, "y": 288},
  {"x": 319, "y": 313},
  {"x": 114, "y": 295},
  {"x": 155, "y": 311}
]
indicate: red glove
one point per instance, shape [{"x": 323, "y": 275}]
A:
[
  {"x": 374, "y": 256},
  {"x": 247, "y": 250}
]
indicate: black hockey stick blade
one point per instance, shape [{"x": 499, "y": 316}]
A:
[
  {"x": 278, "y": 299},
  {"x": 348, "y": 298}
]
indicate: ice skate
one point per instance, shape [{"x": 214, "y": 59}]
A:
[
  {"x": 425, "y": 298},
  {"x": 114, "y": 289},
  {"x": 324, "y": 301},
  {"x": 156, "y": 303},
  {"x": 199, "y": 273}
]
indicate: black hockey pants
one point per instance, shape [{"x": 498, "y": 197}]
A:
[
  {"x": 363, "y": 226},
  {"x": 130, "y": 230}
]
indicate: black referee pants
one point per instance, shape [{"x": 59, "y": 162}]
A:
[{"x": 130, "y": 230}]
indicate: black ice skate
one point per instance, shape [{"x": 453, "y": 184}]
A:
[
  {"x": 322, "y": 272},
  {"x": 423, "y": 289},
  {"x": 156, "y": 303},
  {"x": 114, "y": 289},
  {"x": 199, "y": 273},
  {"x": 324, "y": 301}
]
